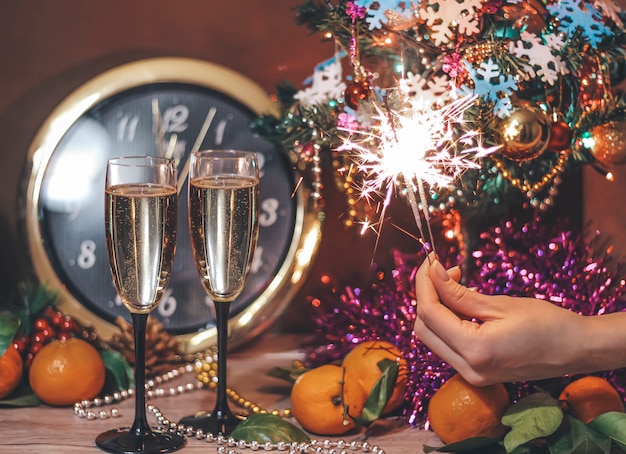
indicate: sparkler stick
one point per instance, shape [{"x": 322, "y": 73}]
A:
[{"x": 418, "y": 219}]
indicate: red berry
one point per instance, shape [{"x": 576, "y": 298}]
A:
[
  {"x": 23, "y": 339},
  {"x": 56, "y": 320},
  {"x": 20, "y": 345},
  {"x": 41, "y": 324},
  {"x": 64, "y": 335},
  {"x": 34, "y": 348},
  {"x": 48, "y": 334},
  {"x": 66, "y": 324},
  {"x": 49, "y": 311}
]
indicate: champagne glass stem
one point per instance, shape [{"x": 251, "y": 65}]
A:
[
  {"x": 221, "y": 314},
  {"x": 140, "y": 425}
]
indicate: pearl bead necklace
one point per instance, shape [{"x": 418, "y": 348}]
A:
[{"x": 225, "y": 445}]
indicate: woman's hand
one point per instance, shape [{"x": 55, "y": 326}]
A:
[{"x": 490, "y": 339}]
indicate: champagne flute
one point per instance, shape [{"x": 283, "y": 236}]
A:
[
  {"x": 140, "y": 219},
  {"x": 224, "y": 225}
]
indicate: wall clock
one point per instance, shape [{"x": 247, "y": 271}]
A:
[{"x": 161, "y": 106}]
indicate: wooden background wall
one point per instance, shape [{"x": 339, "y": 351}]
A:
[{"x": 48, "y": 48}]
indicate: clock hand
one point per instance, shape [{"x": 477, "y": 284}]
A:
[
  {"x": 196, "y": 146},
  {"x": 171, "y": 146},
  {"x": 158, "y": 128}
]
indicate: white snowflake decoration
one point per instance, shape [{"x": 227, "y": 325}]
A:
[
  {"x": 541, "y": 62},
  {"x": 326, "y": 83},
  {"x": 433, "y": 91},
  {"x": 450, "y": 16}
]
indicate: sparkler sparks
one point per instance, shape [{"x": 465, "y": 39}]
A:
[{"x": 413, "y": 150}]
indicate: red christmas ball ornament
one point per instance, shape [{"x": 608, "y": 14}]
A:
[
  {"x": 560, "y": 136},
  {"x": 308, "y": 151},
  {"x": 356, "y": 92}
]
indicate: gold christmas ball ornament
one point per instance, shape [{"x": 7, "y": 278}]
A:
[
  {"x": 607, "y": 143},
  {"x": 524, "y": 134}
]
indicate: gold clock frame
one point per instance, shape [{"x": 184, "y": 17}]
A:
[{"x": 262, "y": 312}]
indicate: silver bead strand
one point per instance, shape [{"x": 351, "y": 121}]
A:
[{"x": 83, "y": 409}]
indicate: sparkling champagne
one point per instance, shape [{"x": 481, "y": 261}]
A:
[
  {"x": 141, "y": 240},
  {"x": 223, "y": 223}
]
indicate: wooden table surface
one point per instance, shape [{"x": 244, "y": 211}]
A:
[{"x": 57, "y": 430}]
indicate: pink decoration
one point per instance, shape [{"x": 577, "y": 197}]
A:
[{"x": 544, "y": 261}]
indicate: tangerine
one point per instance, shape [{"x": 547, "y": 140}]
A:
[
  {"x": 589, "y": 397},
  {"x": 459, "y": 410},
  {"x": 323, "y": 400},
  {"x": 11, "y": 368},
  {"x": 67, "y": 371},
  {"x": 362, "y": 362}
]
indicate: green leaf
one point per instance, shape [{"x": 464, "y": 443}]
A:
[
  {"x": 266, "y": 427},
  {"x": 380, "y": 393},
  {"x": 289, "y": 375},
  {"x": 482, "y": 445},
  {"x": 613, "y": 425},
  {"x": 22, "y": 396},
  {"x": 35, "y": 297},
  {"x": 118, "y": 368},
  {"x": 535, "y": 416},
  {"x": 9, "y": 324},
  {"x": 579, "y": 438},
  {"x": 524, "y": 449}
]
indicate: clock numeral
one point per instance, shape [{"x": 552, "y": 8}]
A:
[
  {"x": 269, "y": 212},
  {"x": 257, "y": 260},
  {"x": 87, "y": 257},
  {"x": 126, "y": 128},
  {"x": 168, "y": 304},
  {"x": 175, "y": 118}
]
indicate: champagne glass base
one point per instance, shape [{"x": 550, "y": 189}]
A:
[
  {"x": 122, "y": 441},
  {"x": 212, "y": 423}
]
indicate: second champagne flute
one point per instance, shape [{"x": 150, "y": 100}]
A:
[{"x": 224, "y": 225}]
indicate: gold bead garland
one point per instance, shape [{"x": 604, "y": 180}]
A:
[
  {"x": 524, "y": 185},
  {"x": 478, "y": 52},
  {"x": 206, "y": 374},
  {"x": 360, "y": 209}
]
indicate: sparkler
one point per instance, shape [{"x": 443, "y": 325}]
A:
[{"x": 414, "y": 149}]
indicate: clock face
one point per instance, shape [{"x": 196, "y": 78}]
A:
[{"x": 165, "y": 118}]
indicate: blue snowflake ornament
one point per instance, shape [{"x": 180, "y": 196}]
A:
[
  {"x": 491, "y": 85},
  {"x": 578, "y": 14}
]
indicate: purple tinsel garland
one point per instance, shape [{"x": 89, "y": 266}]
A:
[{"x": 516, "y": 259}]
